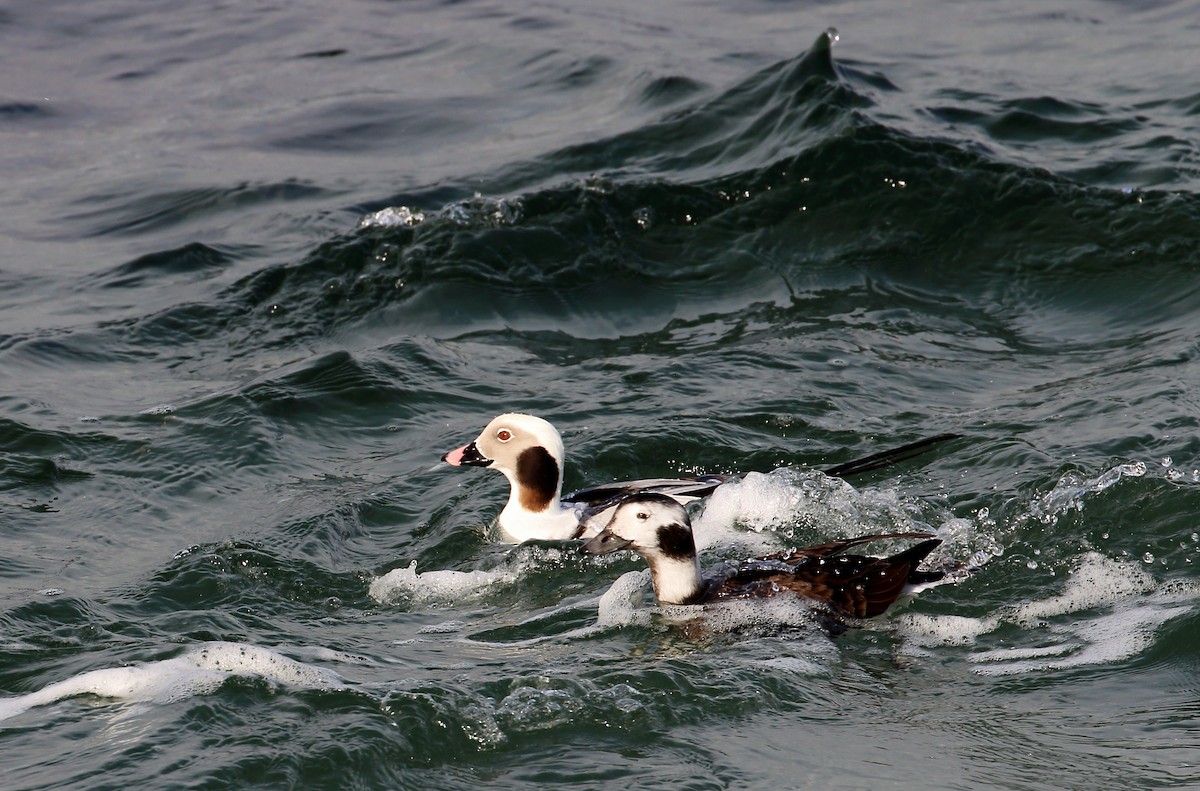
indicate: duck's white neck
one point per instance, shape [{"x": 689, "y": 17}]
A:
[
  {"x": 534, "y": 509},
  {"x": 676, "y": 580},
  {"x": 555, "y": 522}
]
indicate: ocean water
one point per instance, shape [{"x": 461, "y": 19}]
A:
[{"x": 262, "y": 264}]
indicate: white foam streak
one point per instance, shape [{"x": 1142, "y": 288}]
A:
[
  {"x": 448, "y": 587},
  {"x": 198, "y": 671},
  {"x": 1137, "y": 608},
  {"x": 436, "y": 587}
]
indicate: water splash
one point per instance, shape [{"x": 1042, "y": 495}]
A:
[
  {"x": 392, "y": 217},
  {"x": 1068, "y": 494},
  {"x": 787, "y": 507}
]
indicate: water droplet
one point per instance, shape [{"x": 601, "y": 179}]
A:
[
  {"x": 644, "y": 217},
  {"x": 1148, "y": 557},
  {"x": 1033, "y": 564},
  {"x": 1166, "y": 461}
]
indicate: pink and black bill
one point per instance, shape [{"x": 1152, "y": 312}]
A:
[{"x": 466, "y": 456}]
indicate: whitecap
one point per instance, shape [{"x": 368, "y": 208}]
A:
[{"x": 198, "y": 671}]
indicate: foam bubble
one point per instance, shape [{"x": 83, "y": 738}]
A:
[
  {"x": 445, "y": 627},
  {"x": 198, "y": 671},
  {"x": 619, "y": 606},
  {"x": 624, "y": 604},
  {"x": 436, "y": 587},
  {"x": 801, "y": 666},
  {"x": 1095, "y": 582},
  {"x": 533, "y": 708},
  {"x": 924, "y": 629},
  {"x": 764, "y": 503},
  {"x": 446, "y": 587},
  {"x": 765, "y": 614}
]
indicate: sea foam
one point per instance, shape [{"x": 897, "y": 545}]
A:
[
  {"x": 1133, "y": 608},
  {"x": 437, "y": 586},
  {"x": 198, "y": 671}
]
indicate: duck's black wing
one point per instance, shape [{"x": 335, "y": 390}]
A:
[
  {"x": 837, "y": 547},
  {"x": 682, "y": 489},
  {"x": 595, "y": 504},
  {"x": 695, "y": 487},
  {"x": 856, "y": 585}
]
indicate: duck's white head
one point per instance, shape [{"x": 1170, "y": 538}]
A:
[
  {"x": 529, "y": 451},
  {"x": 657, "y": 528}
]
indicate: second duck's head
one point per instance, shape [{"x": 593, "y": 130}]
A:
[
  {"x": 657, "y": 528},
  {"x": 653, "y": 525}
]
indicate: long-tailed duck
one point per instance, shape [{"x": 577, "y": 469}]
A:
[
  {"x": 860, "y": 586},
  {"x": 529, "y": 451}
]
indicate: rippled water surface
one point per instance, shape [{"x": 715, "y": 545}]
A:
[{"x": 262, "y": 265}]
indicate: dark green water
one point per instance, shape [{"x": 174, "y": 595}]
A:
[{"x": 262, "y": 265}]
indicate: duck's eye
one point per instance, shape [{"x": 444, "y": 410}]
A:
[
  {"x": 643, "y": 515},
  {"x": 504, "y": 435}
]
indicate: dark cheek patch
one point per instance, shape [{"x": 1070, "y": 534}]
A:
[
  {"x": 676, "y": 541},
  {"x": 538, "y": 473}
]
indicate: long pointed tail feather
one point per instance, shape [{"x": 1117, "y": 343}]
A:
[{"x": 886, "y": 458}]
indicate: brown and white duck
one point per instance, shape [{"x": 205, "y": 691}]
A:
[
  {"x": 859, "y": 586},
  {"x": 529, "y": 452}
]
